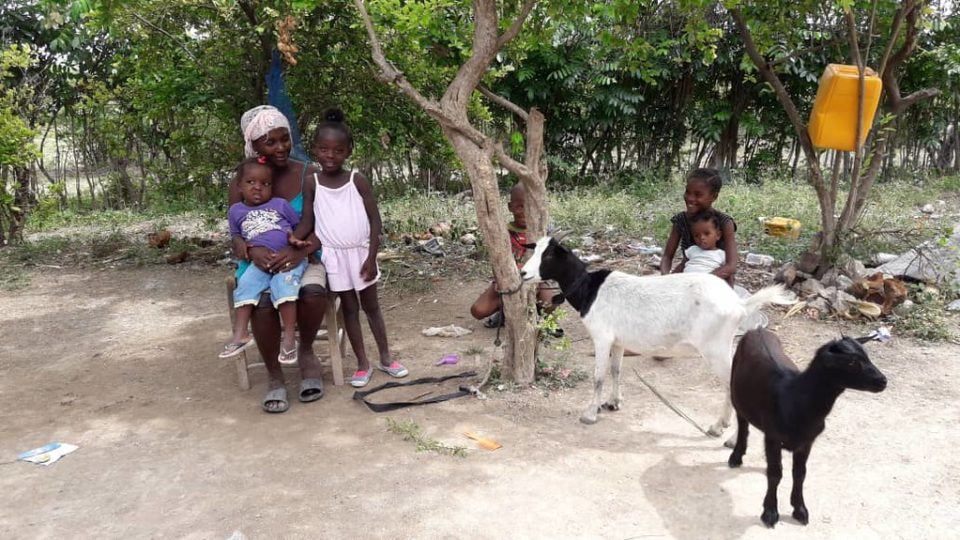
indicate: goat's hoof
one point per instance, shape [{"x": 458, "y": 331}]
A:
[
  {"x": 715, "y": 431},
  {"x": 770, "y": 517},
  {"x": 735, "y": 460},
  {"x": 731, "y": 443},
  {"x": 586, "y": 419},
  {"x": 611, "y": 406},
  {"x": 800, "y": 514}
]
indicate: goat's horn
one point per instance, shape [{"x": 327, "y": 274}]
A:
[{"x": 560, "y": 235}]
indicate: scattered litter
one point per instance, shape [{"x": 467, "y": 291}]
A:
[
  {"x": 48, "y": 454},
  {"x": 433, "y": 246},
  {"x": 954, "y": 306},
  {"x": 388, "y": 255},
  {"x": 446, "y": 331},
  {"x": 448, "y": 360},
  {"x": 590, "y": 259},
  {"x": 881, "y": 334},
  {"x": 932, "y": 262},
  {"x": 483, "y": 442},
  {"x": 587, "y": 241},
  {"x": 781, "y": 227},
  {"x": 758, "y": 259},
  {"x": 468, "y": 239},
  {"x": 888, "y": 292},
  {"x": 644, "y": 249},
  {"x": 928, "y": 209}
]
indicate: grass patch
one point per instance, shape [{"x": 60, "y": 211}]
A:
[
  {"x": 113, "y": 247},
  {"x": 615, "y": 213},
  {"x": 415, "y": 213},
  {"x": 928, "y": 319},
  {"x": 556, "y": 375},
  {"x": 411, "y": 432},
  {"x": 13, "y": 277},
  {"x": 473, "y": 350}
]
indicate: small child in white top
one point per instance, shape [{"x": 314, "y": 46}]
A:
[{"x": 703, "y": 256}]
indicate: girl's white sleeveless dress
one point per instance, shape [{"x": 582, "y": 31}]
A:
[{"x": 342, "y": 225}]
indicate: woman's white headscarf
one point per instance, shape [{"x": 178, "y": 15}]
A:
[{"x": 257, "y": 122}]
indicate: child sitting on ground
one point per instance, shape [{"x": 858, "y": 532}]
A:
[
  {"x": 703, "y": 188},
  {"x": 703, "y": 256},
  {"x": 488, "y": 303},
  {"x": 265, "y": 221}
]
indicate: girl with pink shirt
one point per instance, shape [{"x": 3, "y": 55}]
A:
[{"x": 347, "y": 222}]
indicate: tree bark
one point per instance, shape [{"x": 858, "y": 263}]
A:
[{"x": 477, "y": 153}]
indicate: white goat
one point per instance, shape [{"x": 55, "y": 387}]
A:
[{"x": 622, "y": 311}]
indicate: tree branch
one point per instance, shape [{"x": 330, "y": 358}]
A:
[
  {"x": 251, "y": 13},
  {"x": 391, "y": 75},
  {"x": 503, "y": 102},
  {"x": 794, "y": 54},
  {"x": 919, "y": 95},
  {"x": 846, "y": 216},
  {"x": 484, "y": 47},
  {"x": 164, "y": 32},
  {"x": 517, "y": 24},
  {"x": 509, "y": 163},
  {"x": 782, "y": 95}
]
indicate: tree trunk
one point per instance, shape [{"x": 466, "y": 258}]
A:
[
  {"x": 23, "y": 199},
  {"x": 476, "y": 152},
  {"x": 520, "y": 326},
  {"x": 725, "y": 153}
]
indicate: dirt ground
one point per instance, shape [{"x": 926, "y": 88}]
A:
[{"x": 123, "y": 363}]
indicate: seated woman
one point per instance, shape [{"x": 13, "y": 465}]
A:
[{"x": 266, "y": 135}]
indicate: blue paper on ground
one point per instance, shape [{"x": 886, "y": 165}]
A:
[{"x": 47, "y": 454}]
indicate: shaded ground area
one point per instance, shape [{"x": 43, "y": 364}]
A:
[{"x": 123, "y": 363}]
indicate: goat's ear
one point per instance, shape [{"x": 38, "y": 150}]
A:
[{"x": 557, "y": 299}]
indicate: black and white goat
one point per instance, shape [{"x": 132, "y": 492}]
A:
[
  {"x": 622, "y": 311},
  {"x": 789, "y": 407}
]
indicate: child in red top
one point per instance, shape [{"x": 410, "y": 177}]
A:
[{"x": 488, "y": 303}]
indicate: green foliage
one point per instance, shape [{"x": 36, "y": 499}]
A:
[
  {"x": 548, "y": 325},
  {"x": 928, "y": 318},
  {"x": 412, "y": 432}
]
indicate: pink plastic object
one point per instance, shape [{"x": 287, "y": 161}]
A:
[{"x": 448, "y": 360}]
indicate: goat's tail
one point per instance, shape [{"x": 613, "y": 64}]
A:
[{"x": 775, "y": 294}]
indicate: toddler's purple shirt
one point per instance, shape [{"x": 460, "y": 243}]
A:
[{"x": 266, "y": 225}]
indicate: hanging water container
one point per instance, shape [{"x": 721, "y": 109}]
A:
[{"x": 833, "y": 121}]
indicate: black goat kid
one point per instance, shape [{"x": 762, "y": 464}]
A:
[{"x": 790, "y": 406}]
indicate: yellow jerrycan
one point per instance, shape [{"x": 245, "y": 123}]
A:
[
  {"x": 781, "y": 227},
  {"x": 833, "y": 121}
]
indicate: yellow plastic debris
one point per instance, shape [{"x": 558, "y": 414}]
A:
[
  {"x": 483, "y": 442},
  {"x": 833, "y": 121},
  {"x": 781, "y": 227}
]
